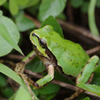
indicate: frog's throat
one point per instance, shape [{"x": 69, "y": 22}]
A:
[{"x": 47, "y": 61}]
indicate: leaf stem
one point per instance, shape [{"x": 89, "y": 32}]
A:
[{"x": 91, "y": 18}]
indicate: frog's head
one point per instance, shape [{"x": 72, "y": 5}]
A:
[{"x": 39, "y": 37}]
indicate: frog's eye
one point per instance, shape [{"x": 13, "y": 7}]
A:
[
  {"x": 42, "y": 43},
  {"x": 33, "y": 34}
]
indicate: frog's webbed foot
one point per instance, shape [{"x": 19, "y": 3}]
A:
[{"x": 86, "y": 75}]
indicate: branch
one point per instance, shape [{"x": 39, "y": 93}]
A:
[
  {"x": 93, "y": 50},
  {"x": 62, "y": 84},
  {"x": 74, "y": 29},
  {"x": 77, "y": 30},
  {"x": 15, "y": 56}
]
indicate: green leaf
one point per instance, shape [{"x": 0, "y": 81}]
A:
[
  {"x": 13, "y": 6},
  {"x": 77, "y": 3},
  {"x": 49, "y": 89},
  {"x": 91, "y": 88},
  {"x": 21, "y": 3},
  {"x": 96, "y": 78},
  {"x": 87, "y": 98},
  {"x": 53, "y": 22},
  {"x": 9, "y": 36},
  {"x": 7, "y": 92},
  {"x": 21, "y": 94},
  {"x": 2, "y": 2},
  {"x": 23, "y": 23},
  {"x": 3, "y": 81},
  {"x": 30, "y": 3},
  {"x": 10, "y": 73},
  {"x": 36, "y": 65},
  {"x": 98, "y": 3},
  {"x": 51, "y": 8},
  {"x": 84, "y": 7}
]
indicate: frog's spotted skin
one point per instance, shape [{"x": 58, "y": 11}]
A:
[{"x": 70, "y": 56}]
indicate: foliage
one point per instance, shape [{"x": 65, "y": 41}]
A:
[{"x": 15, "y": 26}]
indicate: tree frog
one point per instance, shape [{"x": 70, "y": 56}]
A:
[{"x": 61, "y": 54}]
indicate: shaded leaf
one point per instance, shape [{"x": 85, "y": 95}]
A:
[
  {"x": 51, "y": 8},
  {"x": 84, "y": 7},
  {"x": 77, "y": 3},
  {"x": 87, "y": 98},
  {"x": 98, "y": 3},
  {"x": 23, "y": 23},
  {"x": 3, "y": 81},
  {"x": 49, "y": 89},
  {"x": 36, "y": 65},
  {"x": 7, "y": 92},
  {"x": 53, "y": 22}
]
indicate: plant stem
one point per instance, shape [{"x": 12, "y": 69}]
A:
[{"x": 91, "y": 18}]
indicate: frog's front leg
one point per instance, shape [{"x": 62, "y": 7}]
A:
[
  {"x": 86, "y": 75},
  {"x": 49, "y": 77}
]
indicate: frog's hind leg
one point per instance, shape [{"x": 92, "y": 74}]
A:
[{"x": 86, "y": 75}]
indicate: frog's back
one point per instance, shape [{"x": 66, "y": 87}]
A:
[{"x": 70, "y": 56}]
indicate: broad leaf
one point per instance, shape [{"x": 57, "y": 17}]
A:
[
  {"x": 49, "y": 89},
  {"x": 77, "y": 3},
  {"x": 7, "y": 92},
  {"x": 91, "y": 88},
  {"x": 3, "y": 81},
  {"x": 98, "y": 3},
  {"x": 21, "y": 94},
  {"x": 51, "y": 8},
  {"x": 23, "y": 23},
  {"x": 13, "y": 6},
  {"x": 36, "y": 65},
  {"x": 21, "y": 3},
  {"x": 53, "y": 22},
  {"x": 10, "y": 73},
  {"x": 9, "y": 36},
  {"x": 87, "y": 98},
  {"x": 30, "y": 3},
  {"x": 84, "y": 7},
  {"x": 2, "y": 2}
]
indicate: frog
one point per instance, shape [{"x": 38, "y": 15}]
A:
[{"x": 60, "y": 54}]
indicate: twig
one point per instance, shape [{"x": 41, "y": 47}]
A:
[
  {"x": 37, "y": 23},
  {"x": 93, "y": 50},
  {"x": 62, "y": 84},
  {"x": 70, "y": 27},
  {"x": 15, "y": 56},
  {"x": 78, "y": 30}
]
